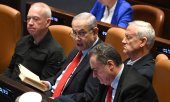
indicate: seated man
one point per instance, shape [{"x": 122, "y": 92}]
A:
[
  {"x": 116, "y": 12},
  {"x": 38, "y": 51},
  {"x": 138, "y": 41},
  {"x": 118, "y": 82},
  {"x": 75, "y": 78}
]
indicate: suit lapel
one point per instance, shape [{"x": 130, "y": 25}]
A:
[
  {"x": 119, "y": 87},
  {"x": 83, "y": 64},
  {"x": 69, "y": 59},
  {"x": 116, "y": 11},
  {"x": 78, "y": 69},
  {"x": 143, "y": 60},
  {"x": 101, "y": 11}
]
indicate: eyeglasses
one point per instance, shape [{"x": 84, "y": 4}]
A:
[
  {"x": 34, "y": 18},
  {"x": 79, "y": 34}
]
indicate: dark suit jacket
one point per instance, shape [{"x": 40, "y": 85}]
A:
[
  {"x": 145, "y": 66},
  {"x": 63, "y": 99},
  {"x": 81, "y": 87},
  {"x": 132, "y": 87},
  {"x": 122, "y": 13}
]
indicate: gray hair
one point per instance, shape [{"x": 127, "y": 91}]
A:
[
  {"x": 46, "y": 9},
  {"x": 88, "y": 17},
  {"x": 144, "y": 29}
]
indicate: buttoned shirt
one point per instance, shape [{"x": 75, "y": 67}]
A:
[{"x": 44, "y": 59}]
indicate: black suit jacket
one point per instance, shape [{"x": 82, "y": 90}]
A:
[
  {"x": 63, "y": 99},
  {"x": 145, "y": 66},
  {"x": 81, "y": 87},
  {"x": 132, "y": 87}
]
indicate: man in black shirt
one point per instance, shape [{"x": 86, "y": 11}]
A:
[{"x": 38, "y": 51}]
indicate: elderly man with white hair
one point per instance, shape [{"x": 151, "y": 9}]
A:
[{"x": 138, "y": 41}]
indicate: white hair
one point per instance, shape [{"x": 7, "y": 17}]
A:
[
  {"x": 144, "y": 29},
  {"x": 46, "y": 9}
]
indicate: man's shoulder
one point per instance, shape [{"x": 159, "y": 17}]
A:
[
  {"x": 132, "y": 77},
  {"x": 54, "y": 46},
  {"x": 146, "y": 60},
  {"x": 24, "y": 39},
  {"x": 49, "y": 43}
]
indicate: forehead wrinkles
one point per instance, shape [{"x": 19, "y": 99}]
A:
[
  {"x": 131, "y": 30},
  {"x": 80, "y": 24},
  {"x": 36, "y": 11}
]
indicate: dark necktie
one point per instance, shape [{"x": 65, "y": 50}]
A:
[{"x": 66, "y": 75}]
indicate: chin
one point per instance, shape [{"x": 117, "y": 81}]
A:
[
  {"x": 80, "y": 48},
  {"x": 32, "y": 33},
  {"x": 125, "y": 51},
  {"x": 101, "y": 82}
]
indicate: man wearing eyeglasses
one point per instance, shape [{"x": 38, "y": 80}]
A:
[
  {"x": 38, "y": 51},
  {"x": 80, "y": 85}
]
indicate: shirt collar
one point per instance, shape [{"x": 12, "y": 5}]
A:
[
  {"x": 107, "y": 16},
  {"x": 130, "y": 62},
  {"x": 113, "y": 8},
  {"x": 43, "y": 42},
  {"x": 116, "y": 80},
  {"x": 87, "y": 50}
]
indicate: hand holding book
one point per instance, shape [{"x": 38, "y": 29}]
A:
[{"x": 30, "y": 78}]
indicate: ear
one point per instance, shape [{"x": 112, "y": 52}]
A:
[
  {"x": 95, "y": 30},
  {"x": 144, "y": 41},
  {"x": 48, "y": 21},
  {"x": 111, "y": 65}
]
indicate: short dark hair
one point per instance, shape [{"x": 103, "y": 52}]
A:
[{"x": 105, "y": 52}]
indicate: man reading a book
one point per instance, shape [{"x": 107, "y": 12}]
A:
[
  {"x": 38, "y": 51},
  {"x": 75, "y": 79}
]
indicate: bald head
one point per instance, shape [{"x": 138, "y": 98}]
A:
[
  {"x": 43, "y": 8},
  {"x": 86, "y": 17}
]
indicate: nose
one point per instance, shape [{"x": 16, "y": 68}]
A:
[
  {"x": 30, "y": 21},
  {"x": 77, "y": 37},
  {"x": 124, "y": 41}
]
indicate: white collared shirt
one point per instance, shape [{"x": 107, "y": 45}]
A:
[
  {"x": 107, "y": 16},
  {"x": 130, "y": 62}
]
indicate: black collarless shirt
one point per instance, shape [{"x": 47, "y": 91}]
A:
[{"x": 43, "y": 59}]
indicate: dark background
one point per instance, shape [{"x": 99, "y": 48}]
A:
[{"x": 74, "y": 6}]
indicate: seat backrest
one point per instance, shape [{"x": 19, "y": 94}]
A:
[
  {"x": 161, "y": 80},
  {"x": 114, "y": 37},
  {"x": 62, "y": 34},
  {"x": 10, "y": 32},
  {"x": 150, "y": 14},
  {"x": 161, "y": 57}
]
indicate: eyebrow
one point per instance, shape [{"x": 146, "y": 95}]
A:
[{"x": 78, "y": 30}]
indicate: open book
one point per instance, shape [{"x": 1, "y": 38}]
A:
[{"x": 30, "y": 78}]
